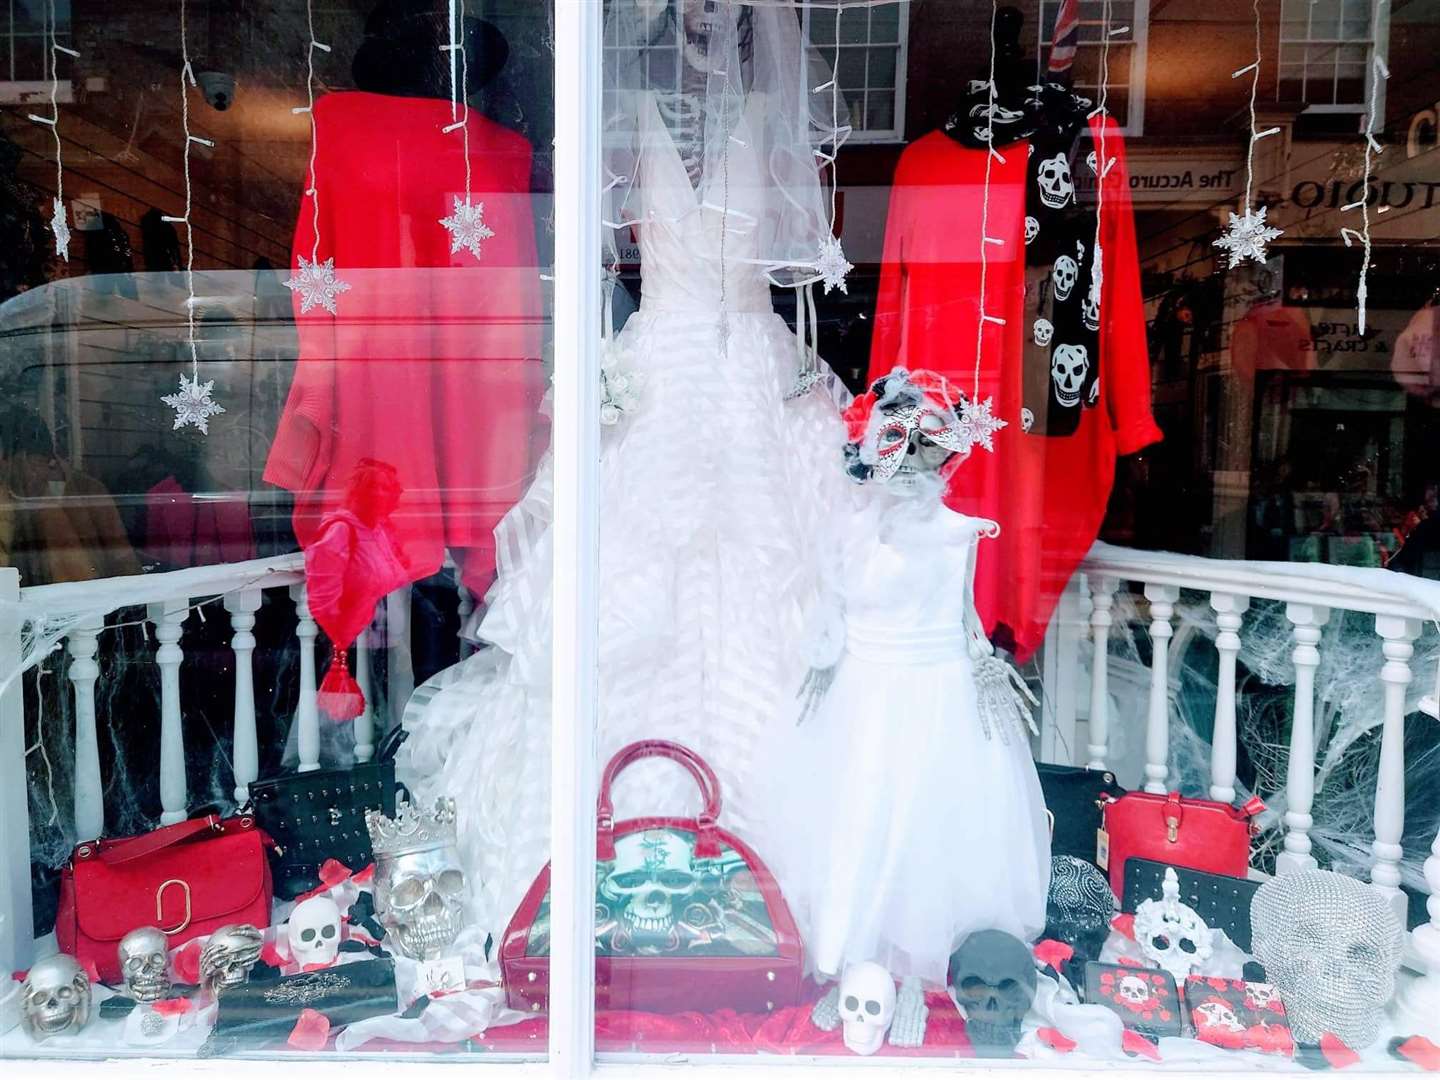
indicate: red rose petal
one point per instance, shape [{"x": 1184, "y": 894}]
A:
[
  {"x": 333, "y": 872},
  {"x": 1125, "y": 923},
  {"x": 1336, "y": 1052},
  {"x": 1053, "y": 1038},
  {"x": 1132, "y": 1042},
  {"x": 311, "y": 1031},
  {"x": 270, "y": 954},
  {"x": 186, "y": 962},
  {"x": 366, "y": 876},
  {"x": 1129, "y": 962},
  {"x": 18, "y": 976},
  {"x": 172, "y": 1006},
  {"x": 89, "y": 968},
  {"x": 1053, "y": 953},
  {"x": 1421, "y": 1051}
]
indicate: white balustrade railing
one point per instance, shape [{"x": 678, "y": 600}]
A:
[
  {"x": 1400, "y": 605},
  {"x": 167, "y": 600}
]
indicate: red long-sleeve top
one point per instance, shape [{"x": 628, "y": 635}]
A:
[
  {"x": 432, "y": 363},
  {"x": 1048, "y": 493}
]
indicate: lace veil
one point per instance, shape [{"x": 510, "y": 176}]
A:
[{"x": 702, "y": 61}]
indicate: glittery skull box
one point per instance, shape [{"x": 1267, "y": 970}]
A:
[
  {"x": 1238, "y": 1015},
  {"x": 1145, "y": 999},
  {"x": 656, "y": 898}
]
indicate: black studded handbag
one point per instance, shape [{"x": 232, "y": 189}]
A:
[{"x": 320, "y": 815}]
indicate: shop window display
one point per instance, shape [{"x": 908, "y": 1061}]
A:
[{"x": 1013, "y": 599}]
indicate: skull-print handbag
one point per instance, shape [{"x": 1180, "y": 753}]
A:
[
  {"x": 320, "y": 815},
  {"x": 687, "y": 917}
]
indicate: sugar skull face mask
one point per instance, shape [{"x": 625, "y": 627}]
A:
[{"x": 903, "y": 426}]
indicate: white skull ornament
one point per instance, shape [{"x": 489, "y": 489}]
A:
[
  {"x": 1069, "y": 365},
  {"x": 1053, "y": 176},
  {"x": 1172, "y": 934},
  {"x": 143, "y": 963},
  {"x": 55, "y": 999},
  {"x": 1065, "y": 274},
  {"x": 1043, "y": 330},
  {"x": 314, "y": 931},
  {"x": 867, "y": 1006}
]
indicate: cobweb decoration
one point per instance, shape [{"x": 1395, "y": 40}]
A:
[
  {"x": 184, "y": 403},
  {"x": 316, "y": 282},
  {"x": 59, "y": 226},
  {"x": 466, "y": 224},
  {"x": 1248, "y": 234}
]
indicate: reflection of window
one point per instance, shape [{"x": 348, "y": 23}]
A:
[
  {"x": 1325, "y": 50},
  {"x": 24, "y": 37},
  {"x": 869, "y": 59},
  {"x": 1129, "y": 27}
]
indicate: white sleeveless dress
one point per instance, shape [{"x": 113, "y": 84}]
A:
[
  {"x": 709, "y": 494},
  {"x": 898, "y": 826}
]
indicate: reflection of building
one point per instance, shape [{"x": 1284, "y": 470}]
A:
[{"x": 1267, "y": 391}]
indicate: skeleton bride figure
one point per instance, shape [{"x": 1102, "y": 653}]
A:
[
  {"x": 909, "y": 813},
  {"x": 714, "y": 474}
]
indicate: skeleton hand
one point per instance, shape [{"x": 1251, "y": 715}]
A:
[
  {"x": 911, "y": 1015},
  {"x": 826, "y": 1013},
  {"x": 813, "y": 690}
]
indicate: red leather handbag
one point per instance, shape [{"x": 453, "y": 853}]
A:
[
  {"x": 687, "y": 917},
  {"x": 187, "y": 879},
  {"x": 1196, "y": 834}
]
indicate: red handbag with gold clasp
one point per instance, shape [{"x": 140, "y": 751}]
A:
[
  {"x": 1196, "y": 834},
  {"x": 687, "y": 917},
  {"x": 187, "y": 879}
]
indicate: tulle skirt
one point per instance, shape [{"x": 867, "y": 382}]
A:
[
  {"x": 710, "y": 493},
  {"x": 899, "y": 828}
]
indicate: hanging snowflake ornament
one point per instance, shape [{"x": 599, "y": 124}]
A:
[
  {"x": 317, "y": 284},
  {"x": 977, "y": 426},
  {"x": 61, "y": 228},
  {"x": 832, "y": 265},
  {"x": 1246, "y": 236},
  {"x": 467, "y": 226},
  {"x": 193, "y": 404}
]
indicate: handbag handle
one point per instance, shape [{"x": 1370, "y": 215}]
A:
[
  {"x": 140, "y": 847},
  {"x": 707, "y": 845}
]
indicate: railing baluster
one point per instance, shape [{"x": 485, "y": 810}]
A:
[
  {"x": 365, "y": 722},
  {"x": 168, "y": 617},
  {"x": 89, "y": 794},
  {"x": 1398, "y": 635},
  {"x": 1308, "y": 621},
  {"x": 307, "y": 716},
  {"x": 1229, "y": 615},
  {"x": 1418, "y": 1003},
  {"x": 467, "y": 608},
  {"x": 17, "y": 939},
  {"x": 242, "y": 606},
  {"x": 1102, "y": 600},
  {"x": 1157, "y": 733}
]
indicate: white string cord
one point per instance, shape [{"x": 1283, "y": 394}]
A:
[
  {"x": 1102, "y": 161},
  {"x": 58, "y": 224},
  {"x": 991, "y": 156},
  {"x": 313, "y": 191},
  {"x": 1254, "y": 90},
  {"x": 1379, "y": 72},
  {"x": 460, "y": 91}
]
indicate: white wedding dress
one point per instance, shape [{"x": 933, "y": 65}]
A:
[{"x": 710, "y": 492}]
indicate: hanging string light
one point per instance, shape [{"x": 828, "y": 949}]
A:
[
  {"x": 315, "y": 282},
  {"x": 978, "y": 424},
  {"x": 831, "y": 264},
  {"x": 466, "y": 223},
  {"x": 193, "y": 403},
  {"x": 1247, "y": 234},
  {"x": 1379, "y": 74},
  {"x": 59, "y": 225}
]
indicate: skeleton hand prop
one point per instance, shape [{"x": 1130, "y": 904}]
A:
[
  {"x": 826, "y": 1013},
  {"x": 1001, "y": 696},
  {"x": 813, "y": 691},
  {"x": 911, "y": 1015}
]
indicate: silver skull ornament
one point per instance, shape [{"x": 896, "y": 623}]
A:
[
  {"x": 55, "y": 999},
  {"x": 651, "y": 880},
  {"x": 144, "y": 964},
  {"x": 228, "y": 956},
  {"x": 420, "y": 886}
]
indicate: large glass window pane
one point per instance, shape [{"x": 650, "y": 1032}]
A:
[
  {"x": 275, "y": 341},
  {"x": 1185, "y": 365}
]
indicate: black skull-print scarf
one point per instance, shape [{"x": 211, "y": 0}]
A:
[{"x": 1062, "y": 285}]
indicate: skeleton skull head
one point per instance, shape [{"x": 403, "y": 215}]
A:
[
  {"x": 1217, "y": 1014},
  {"x": 55, "y": 999},
  {"x": 1027, "y": 419},
  {"x": 1069, "y": 365},
  {"x": 1053, "y": 176},
  {"x": 1043, "y": 330},
  {"x": 652, "y": 879},
  {"x": 1090, "y": 309},
  {"x": 1331, "y": 946},
  {"x": 867, "y": 1006},
  {"x": 1065, "y": 273},
  {"x": 1260, "y": 995},
  {"x": 420, "y": 900},
  {"x": 1032, "y": 229},
  {"x": 143, "y": 963},
  {"x": 228, "y": 956},
  {"x": 314, "y": 931},
  {"x": 1134, "y": 989},
  {"x": 1172, "y": 934},
  {"x": 993, "y": 978}
]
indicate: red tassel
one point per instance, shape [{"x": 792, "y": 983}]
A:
[{"x": 340, "y": 697}]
